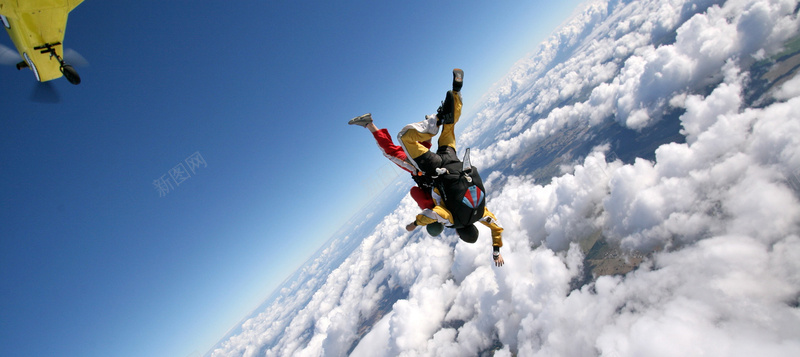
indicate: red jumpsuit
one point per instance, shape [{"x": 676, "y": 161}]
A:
[{"x": 396, "y": 155}]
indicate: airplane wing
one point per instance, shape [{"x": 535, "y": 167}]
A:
[
  {"x": 10, "y": 8},
  {"x": 36, "y": 23}
]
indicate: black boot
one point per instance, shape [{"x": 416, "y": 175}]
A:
[{"x": 446, "y": 110}]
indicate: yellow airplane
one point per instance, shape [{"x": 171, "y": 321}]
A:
[{"x": 37, "y": 29}]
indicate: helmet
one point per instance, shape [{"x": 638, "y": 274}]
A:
[
  {"x": 468, "y": 234},
  {"x": 435, "y": 228}
]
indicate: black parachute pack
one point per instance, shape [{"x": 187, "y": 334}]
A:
[{"x": 462, "y": 191}]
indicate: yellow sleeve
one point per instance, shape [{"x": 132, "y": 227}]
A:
[
  {"x": 490, "y": 221},
  {"x": 437, "y": 214}
]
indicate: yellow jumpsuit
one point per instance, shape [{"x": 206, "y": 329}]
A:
[{"x": 411, "y": 137}]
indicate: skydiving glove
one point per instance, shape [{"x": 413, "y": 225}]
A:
[{"x": 498, "y": 259}]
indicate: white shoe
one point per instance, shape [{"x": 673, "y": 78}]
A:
[{"x": 363, "y": 120}]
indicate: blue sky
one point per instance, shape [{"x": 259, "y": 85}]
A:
[{"x": 94, "y": 262}]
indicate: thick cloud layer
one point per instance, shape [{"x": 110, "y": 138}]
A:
[{"x": 718, "y": 216}]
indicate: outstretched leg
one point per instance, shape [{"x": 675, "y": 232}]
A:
[
  {"x": 451, "y": 108},
  {"x": 397, "y": 155},
  {"x": 450, "y": 111},
  {"x": 391, "y": 151},
  {"x": 447, "y": 116}
]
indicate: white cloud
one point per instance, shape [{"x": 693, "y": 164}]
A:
[
  {"x": 636, "y": 80},
  {"x": 723, "y": 171},
  {"x": 376, "y": 343},
  {"x": 789, "y": 90}
]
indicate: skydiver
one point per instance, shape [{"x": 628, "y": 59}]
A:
[
  {"x": 441, "y": 164},
  {"x": 421, "y": 193}
]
